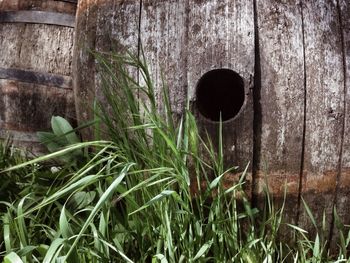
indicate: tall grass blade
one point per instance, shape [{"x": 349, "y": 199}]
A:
[
  {"x": 309, "y": 213},
  {"x": 155, "y": 199},
  {"x": 54, "y": 250},
  {"x": 201, "y": 252},
  {"x": 57, "y": 154},
  {"x": 12, "y": 258},
  {"x": 106, "y": 196}
]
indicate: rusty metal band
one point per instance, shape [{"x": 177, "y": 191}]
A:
[
  {"x": 37, "y": 17},
  {"x": 39, "y": 78}
]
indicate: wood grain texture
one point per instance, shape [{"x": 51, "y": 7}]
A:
[
  {"x": 343, "y": 194},
  {"x": 221, "y": 35},
  {"x": 101, "y": 26},
  {"x": 163, "y": 37},
  {"x": 281, "y": 101},
  {"x": 118, "y": 31},
  {"x": 26, "y": 108},
  {"x": 29, "y": 107},
  {"x": 46, "y": 48},
  {"x": 67, "y": 7},
  {"x": 83, "y": 62},
  {"x": 324, "y": 108}
]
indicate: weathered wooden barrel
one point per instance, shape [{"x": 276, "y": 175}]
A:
[
  {"x": 36, "y": 46},
  {"x": 278, "y": 71}
]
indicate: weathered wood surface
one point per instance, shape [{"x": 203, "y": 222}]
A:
[
  {"x": 221, "y": 35},
  {"x": 37, "y": 17},
  {"x": 35, "y": 70},
  {"x": 300, "y": 138},
  {"x": 67, "y": 7},
  {"x": 29, "y": 107},
  {"x": 166, "y": 22},
  {"x": 26, "y": 108},
  {"x": 324, "y": 108},
  {"x": 343, "y": 189},
  {"x": 101, "y": 25},
  {"x": 46, "y": 48},
  {"x": 280, "y": 114}
]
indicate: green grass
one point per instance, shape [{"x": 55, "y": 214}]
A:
[{"x": 131, "y": 198}]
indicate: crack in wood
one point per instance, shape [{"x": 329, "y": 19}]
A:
[
  {"x": 301, "y": 173},
  {"x": 343, "y": 116},
  {"x": 256, "y": 107},
  {"x": 139, "y": 47}
]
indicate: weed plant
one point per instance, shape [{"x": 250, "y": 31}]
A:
[{"x": 143, "y": 195}]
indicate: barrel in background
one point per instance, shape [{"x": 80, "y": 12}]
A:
[
  {"x": 36, "y": 43},
  {"x": 293, "y": 58}
]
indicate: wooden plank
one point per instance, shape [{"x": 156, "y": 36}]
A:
[
  {"x": 101, "y": 25},
  {"x": 29, "y": 107},
  {"x": 40, "y": 78},
  {"x": 39, "y": 48},
  {"x": 163, "y": 37},
  {"x": 221, "y": 35},
  {"x": 118, "y": 32},
  {"x": 324, "y": 108},
  {"x": 281, "y": 102},
  {"x": 37, "y": 17},
  {"x": 343, "y": 193},
  {"x": 83, "y": 66}
]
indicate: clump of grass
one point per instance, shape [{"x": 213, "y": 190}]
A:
[
  {"x": 133, "y": 200},
  {"x": 9, "y": 156}
]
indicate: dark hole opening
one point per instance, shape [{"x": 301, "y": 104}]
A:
[{"x": 220, "y": 91}]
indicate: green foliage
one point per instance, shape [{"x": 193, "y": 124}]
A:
[
  {"x": 131, "y": 199},
  {"x": 12, "y": 258},
  {"x": 12, "y": 182},
  {"x": 62, "y": 135}
]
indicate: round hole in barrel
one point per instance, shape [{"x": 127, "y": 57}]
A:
[{"x": 220, "y": 91}]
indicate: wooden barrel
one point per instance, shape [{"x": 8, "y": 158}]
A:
[
  {"x": 36, "y": 46},
  {"x": 282, "y": 65}
]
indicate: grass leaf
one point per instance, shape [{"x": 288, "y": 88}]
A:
[
  {"x": 201, "y": 252},
  {"x": 106, "y": 196},
  {"x": 12, "y": 258}
]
